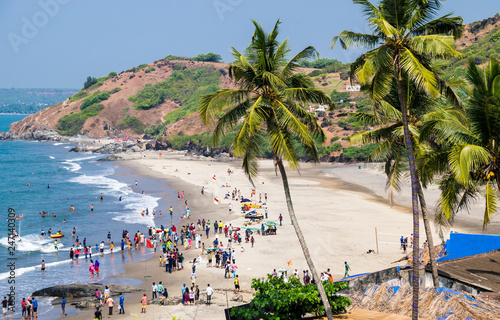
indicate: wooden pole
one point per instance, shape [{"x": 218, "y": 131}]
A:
[{"x": 376, "y": 238}]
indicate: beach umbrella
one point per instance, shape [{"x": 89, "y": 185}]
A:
[{"x": 271, "y": 224}]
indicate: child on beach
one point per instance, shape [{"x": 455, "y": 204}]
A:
[{"x": 144, "y": 302}]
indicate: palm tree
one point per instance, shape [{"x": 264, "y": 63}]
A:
[
  {"x": 405, "y": 38},
  {"x": 392, "y": 150},
  {"x": 471, "y": 162},
  {"x": 269, "y": 102}
]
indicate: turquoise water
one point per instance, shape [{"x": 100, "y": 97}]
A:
[
  {"x": 7, "y": 119},
  {"x": 75, "y": 179}
]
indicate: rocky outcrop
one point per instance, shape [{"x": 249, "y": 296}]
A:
[
  {"x": 46, "y": 134},
  {"x": 117, "y": 147},
  {"x": 81, "y": 290},
  {"x": 158, "y": 145}
]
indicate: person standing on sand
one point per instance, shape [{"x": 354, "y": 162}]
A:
[
  {"x": 230, "y": 208},
  {"x": 202, "y": 190},
  {"x": 154, "y": 289},
  {"x": 144, "y": 302},
  {"x": 110, "y": 305},
  {"x": 281, "y": 219},
  {"x": 236, "y": 285},
  {"x": 210, "y": 292},
  {"x": 252, "y": 240},
  {"x": 120, "y": 306},
  {"x": 63, "y": 306},
  {"x": 347, "y": 269}
]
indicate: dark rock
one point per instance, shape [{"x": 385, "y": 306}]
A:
[
  {"x": 111, "y": 158},
  {"x": 81, "y": 290}
]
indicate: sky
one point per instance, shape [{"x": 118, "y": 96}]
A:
[{"x": 58, "y": 43}]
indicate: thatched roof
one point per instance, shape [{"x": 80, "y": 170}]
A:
[{"x": 435, "y": 303}]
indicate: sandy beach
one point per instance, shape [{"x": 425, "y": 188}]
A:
[{"x": 338, "y": 208}]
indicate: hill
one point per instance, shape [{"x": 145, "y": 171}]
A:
[{"x": 481, "y": 41}]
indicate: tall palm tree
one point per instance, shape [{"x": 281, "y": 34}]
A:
[
  {"x": 392, "y": 150},
  {"x": 269, "y": 101},
  {"x": 471, "y": 162},
  {"x": 405, "y": 38}
]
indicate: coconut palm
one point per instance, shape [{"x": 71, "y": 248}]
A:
[
  {"x": 471, "y": 161},
  {"x": 387, "y": 116},
  {"x": 404, "y": 40},
  {"x": 269, "y": 104}
]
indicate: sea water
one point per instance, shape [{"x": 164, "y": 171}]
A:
[{"x": 44, "y": 176}]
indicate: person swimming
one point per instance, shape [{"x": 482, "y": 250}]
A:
[{"x": 42, "y": 233}]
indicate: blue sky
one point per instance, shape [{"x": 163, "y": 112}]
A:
[{"x": 58, "y": 43}]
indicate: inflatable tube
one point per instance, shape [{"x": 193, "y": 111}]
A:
[{"x": 57, "y": 235}]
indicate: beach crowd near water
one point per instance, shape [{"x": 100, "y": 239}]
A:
[{"x": 203, "y": 245}]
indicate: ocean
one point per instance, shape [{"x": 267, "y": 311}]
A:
[{"x": 75, "y": 179}]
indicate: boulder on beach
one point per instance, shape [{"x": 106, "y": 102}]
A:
[{"x": 81, "y": 290}]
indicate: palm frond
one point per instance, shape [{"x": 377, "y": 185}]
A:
[
  {"x": 435, "y": 45},
  {"x": 465, "y": 158},
  {"x": 306, "y": 53},
  {"x": 491, "y": 204},
  {"x": 420, "y": 75},
  {"x": 352, "y": 40},
  {"x": 211, "y": 104}
]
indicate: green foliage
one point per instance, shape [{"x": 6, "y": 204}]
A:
[
  {"x": 155, "y": 131},
  {"x": 149, "y": 69},
  {"x": 209, "y": 57},
  {"x": 80, "y": 94},
  {"x": 131, "y": 123},
  {"x": 276, "y": 299},
  {"x": 315, "y": 73},
  {"x": 187, "y": 87},
  {"x": 172, "y": 57},
  {"x": 325, "y": 151},
  {"x": 112, "y": 74},
  {"x": 72, "y": 123},
  {"x": 115, "y": 90},
  {"x": 333, "y": 139},
  {"x": 178, "y": 142},
  {"x": 148, "y": 97},
  {"x": 89, "y": 82},
  {"x": 359, "y": 153},
  {"x": 96, "y": 97},
  {"x": 337, "y": 96}
]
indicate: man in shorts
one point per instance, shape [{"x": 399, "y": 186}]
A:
[
  {"x": 34, "y": 306},
  {"x": 210, "y": 292},
  {"x": 236, "y": 285},
  {"x": 5, "y": 305}
]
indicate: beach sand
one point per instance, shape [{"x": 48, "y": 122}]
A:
[{"x": 338, "y": 214}]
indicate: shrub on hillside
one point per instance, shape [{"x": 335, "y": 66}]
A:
[
  {"x": 131, "y": 123},
  {"x": 94, "y": 98}
]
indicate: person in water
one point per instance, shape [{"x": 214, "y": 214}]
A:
[{"x": 55, "y": 245}]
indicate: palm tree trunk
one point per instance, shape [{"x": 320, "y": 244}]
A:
[
  {"x": 414, "y": 194},
  {"x": 302, "y": 242},
  {"x": 428, "y": 232}
]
